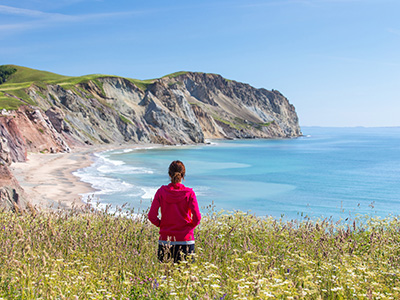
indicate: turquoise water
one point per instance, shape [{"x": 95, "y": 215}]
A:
[{"x": 338, "y": 172}]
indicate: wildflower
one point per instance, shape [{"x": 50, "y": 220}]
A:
[
  {"x": 155, "y": 284},
  {"x": 238, "y": 259}
]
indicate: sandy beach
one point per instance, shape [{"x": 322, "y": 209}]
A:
[{"x": 48, "y": 178}]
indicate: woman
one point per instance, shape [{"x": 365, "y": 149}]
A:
[{"x": 179, "y": 215}]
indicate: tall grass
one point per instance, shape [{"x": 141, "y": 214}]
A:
[{"x": 92, "y": 254}]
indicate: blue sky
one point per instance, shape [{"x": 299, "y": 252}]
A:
[{"x": 337, "y": 61}]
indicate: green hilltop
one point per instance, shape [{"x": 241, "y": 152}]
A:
[
  {"x": 24, "y": 74},
  {"x": 14, "y": 80}
]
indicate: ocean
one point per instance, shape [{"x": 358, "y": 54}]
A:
[{"x": 328, "y": 172}]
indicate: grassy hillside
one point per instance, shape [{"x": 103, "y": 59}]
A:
[
  {"x": 176, "y": 74},
  {"x": 97, "y": 255},
  {"x": 24, "y": 74},
  {"x": 17, "y": 83}
]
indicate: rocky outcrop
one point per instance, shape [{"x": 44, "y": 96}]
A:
[
  {"x": 239, "y": 110},
  {"x": 12, "y": 196},
  {"x": 12, "y": 139},
  {"x": 30, "y": 130}
]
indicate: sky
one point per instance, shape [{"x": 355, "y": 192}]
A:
[{"x": 337, "y": 61}]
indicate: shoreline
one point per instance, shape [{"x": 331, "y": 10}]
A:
[{"x": 49, "y": 181}]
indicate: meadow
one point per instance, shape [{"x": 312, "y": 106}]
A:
[{"x": 102, "y": 254}]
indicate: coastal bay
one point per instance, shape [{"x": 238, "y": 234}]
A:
[
  {"x": 329, "y": 172},
  {"x": 337, "y": 172}
]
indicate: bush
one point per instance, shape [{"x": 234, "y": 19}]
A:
[{"x": 5, "y": 72}]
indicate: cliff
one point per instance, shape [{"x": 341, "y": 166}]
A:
[
  {"x": 47, "y": 112},
  {"x": 12, "y": 196}
]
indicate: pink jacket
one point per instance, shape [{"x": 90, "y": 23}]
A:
[{"x": 179, "y": 212}]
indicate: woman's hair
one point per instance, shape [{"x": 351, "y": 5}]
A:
[{"x": 176, "y": 171}]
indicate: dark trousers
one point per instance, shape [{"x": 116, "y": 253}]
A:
[{"x": 177, "y": 252}]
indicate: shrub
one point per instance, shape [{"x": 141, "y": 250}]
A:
[{"x": 5, "y": 72}]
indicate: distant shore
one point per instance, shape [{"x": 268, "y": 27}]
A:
[{"x": 48, "y": 178}]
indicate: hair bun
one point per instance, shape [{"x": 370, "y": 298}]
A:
[{"x": 176, "y": 171}]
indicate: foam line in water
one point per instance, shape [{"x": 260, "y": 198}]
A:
[{"x": 149, "y": 192}]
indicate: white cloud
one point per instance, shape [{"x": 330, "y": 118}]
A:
[
  {"x": 60, "y": 17},
  {"x": 8, "y": 10},
  {"x": 38, "y": 19}
]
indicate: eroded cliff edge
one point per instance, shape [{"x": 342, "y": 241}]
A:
[{"x": 45, "y": 112}]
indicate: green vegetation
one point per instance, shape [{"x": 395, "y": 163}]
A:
[
  {"x": 41, "y": 95},
  {"x": 20, "y": 93},
  {"x": 5, "y": 72},
  {"x": 238, "y": 123},
  {"x": 142, "y": 84},
  {"x": 99, "y": 255},
  {"x": 71, "y": 82},
  {"x": 9, "y": 103},
  {"x": 176, "y": 74},
  {"x": 242, "y": 123},
  {"x": 23, "y": 74},
  {"x": 42, "y": 85},
  {"x": 99, "y": 85},
  {"x": 259, "y": 126},
  {"x": 217, "y": 118},
  {"x": 125, "y": 120},
  {"x": 83, "y": 92}
]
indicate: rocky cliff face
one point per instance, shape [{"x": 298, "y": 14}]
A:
[
  {"x": 12, "y": 196},
  {"x": 232, "y": 109},
  {"x": 183, "y": 108}
]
